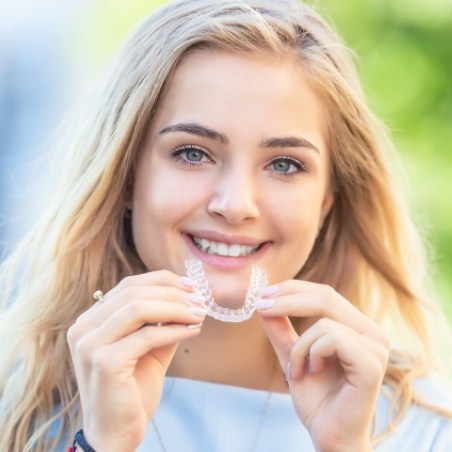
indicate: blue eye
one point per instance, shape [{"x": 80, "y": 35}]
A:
[
  {"x": 283, "y": 166},
  {"x": 288, "y": 166},
  {"x": 191, "y": 155}
]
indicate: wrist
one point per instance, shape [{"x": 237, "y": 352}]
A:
[
  {"x": 80, "y": 443},
  {"x": 86, "y": 441},
  {"x": 355, "y": 447}
]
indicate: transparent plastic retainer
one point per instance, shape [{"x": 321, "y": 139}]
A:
[{"x": 258, "y": 280}]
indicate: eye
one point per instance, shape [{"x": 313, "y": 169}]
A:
[
  {"x": 191, "y": 155},
  {"x": 287, "y": 166}
]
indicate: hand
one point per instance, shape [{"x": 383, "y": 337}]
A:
[
  {"x": 335, "y": 368},
  {"x": 121, "y": 350}
]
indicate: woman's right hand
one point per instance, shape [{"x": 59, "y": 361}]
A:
[{"x": 121, "y": 349}]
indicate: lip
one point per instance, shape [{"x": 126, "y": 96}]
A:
[
  {"x": 225, "y": 238},
  {"x": 225, "y": 261}
]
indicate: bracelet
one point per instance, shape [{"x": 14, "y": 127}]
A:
[{"x": 80, "y": 443}]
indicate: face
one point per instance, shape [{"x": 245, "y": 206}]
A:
[{"x": 234, "y": 172}]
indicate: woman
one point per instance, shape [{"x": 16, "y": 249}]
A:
[{"x": 234, "y": 134}]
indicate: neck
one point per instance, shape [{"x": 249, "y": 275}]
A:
[{"x": 237, "y": 354}]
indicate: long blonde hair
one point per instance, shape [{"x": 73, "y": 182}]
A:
[{"x": 367, "y": 248}]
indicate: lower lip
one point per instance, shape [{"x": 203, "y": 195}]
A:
[{"x": 225, "y": 261}]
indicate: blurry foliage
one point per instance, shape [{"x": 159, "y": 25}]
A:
[{"x": 404, "y": 55}]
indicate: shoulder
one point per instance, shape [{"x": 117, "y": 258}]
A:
[{"x": 423, "y": 427}]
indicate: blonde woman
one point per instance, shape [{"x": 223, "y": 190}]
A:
[{"x": 233, "y": 135}]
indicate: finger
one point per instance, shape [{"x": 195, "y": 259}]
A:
[
  {"x": 163, "y": 278},
  {"x": 354, "y": 352},
  {"x": 98, "y": 313},
  {"x": 305, "y": 299},
  {"x": 132, "y": 287},
  {"x": 135, "y": 315},
  {"x": 282, "y": 336},
  {"x": 136, "y": 345}
]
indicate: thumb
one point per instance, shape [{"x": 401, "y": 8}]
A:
[{"x": 282, "y": 336}]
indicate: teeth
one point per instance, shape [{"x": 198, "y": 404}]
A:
[
  {"x": 223, "y": 249},
  {"x": 234, "y": 250}
]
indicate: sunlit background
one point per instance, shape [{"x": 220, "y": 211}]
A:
[{"x": 51, "y": 49}]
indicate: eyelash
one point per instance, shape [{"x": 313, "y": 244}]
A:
[
  {"x": 300, "y": 166},
  {"x": 177, "y": 153}
]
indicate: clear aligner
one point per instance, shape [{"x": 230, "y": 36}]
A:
[{"x": 258, "y": 280}]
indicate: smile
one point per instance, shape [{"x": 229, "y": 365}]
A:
[{"x": 224, "y": 249}]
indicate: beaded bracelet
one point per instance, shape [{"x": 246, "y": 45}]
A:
[{"x": 80, "y": 443}]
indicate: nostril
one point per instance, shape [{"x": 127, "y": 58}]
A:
[{"x": 234, "y": 206}]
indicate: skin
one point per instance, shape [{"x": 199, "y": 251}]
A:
[{"x": 230, "y": 186}]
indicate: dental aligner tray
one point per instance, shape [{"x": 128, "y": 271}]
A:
[{"x": 258, "y": 280}]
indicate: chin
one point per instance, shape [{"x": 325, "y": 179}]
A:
[{"x": 232, "y": 299}]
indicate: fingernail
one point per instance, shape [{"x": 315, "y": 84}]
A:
[
  {"x": 263, "y": 304},
  {"x": 194, "y": 326},
  {"x": 288, "y": 372},
  {"x": 200, "y": 312},
  {"x": 268, "y": 290},
  {"x": 195, "y": 298},
  {"x": 185, "y": 281}
]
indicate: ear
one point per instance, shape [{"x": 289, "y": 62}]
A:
[{"x": 327, "y": 204}]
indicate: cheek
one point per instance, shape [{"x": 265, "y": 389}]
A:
[
  {"x": 295, "y": 209},
  {"x": 162, "y": 199}
]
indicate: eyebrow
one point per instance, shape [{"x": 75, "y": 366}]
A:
[
  {"x": 288, "y": 142},
  {"x": 201, "y": 130}
]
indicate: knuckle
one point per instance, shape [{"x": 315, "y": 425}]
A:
[
  {"x": 126, "y": 282},
  {"x": 148, "y": 335},
  {"x": 135, "y": 309},
  {"x": 74, "y": 332},
  {"x": 164, "y": 275},
  {"x": 101, "y": 361},
  {"x": 71, "y": 334},
  {"x": 327, "y": 295},
  {"x": 324, "y": 324},
  {"x": 129, "y": 292},
  {"x": 83, "y": 350}
]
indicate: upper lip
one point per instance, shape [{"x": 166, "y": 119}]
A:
[{"x": 226, "y": 238}]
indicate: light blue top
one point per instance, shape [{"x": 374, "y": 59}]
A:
[{"x": 196, "y": 416}]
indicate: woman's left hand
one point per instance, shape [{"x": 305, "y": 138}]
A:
[{"x": 334, "y": 369}]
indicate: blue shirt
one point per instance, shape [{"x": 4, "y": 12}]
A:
[{"x": 196, "y": 416}]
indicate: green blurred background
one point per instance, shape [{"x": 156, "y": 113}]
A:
[{"x": 404, "y": 55}]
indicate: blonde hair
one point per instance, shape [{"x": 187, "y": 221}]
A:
[{"x": 367, "y": 248}]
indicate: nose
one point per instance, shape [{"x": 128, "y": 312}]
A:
[{"x": 234, "y": 196}]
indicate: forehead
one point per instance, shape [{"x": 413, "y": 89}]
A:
[{"x": 237, "y": 90}]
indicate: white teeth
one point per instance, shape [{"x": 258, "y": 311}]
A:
[
  {"x": 234, "y": 250},
  {"x": 223, "y": 249}
]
